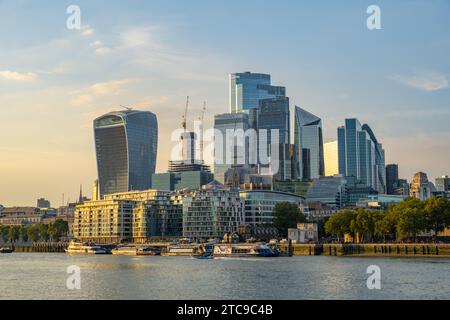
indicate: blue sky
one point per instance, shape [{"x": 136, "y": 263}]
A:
[{"x": 152, "y": 54}]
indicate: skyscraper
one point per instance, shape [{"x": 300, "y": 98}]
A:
[
  {"x": 442, "y": 183},
  {"x": 330, "y": 152},
  {"x": 231, "y": 146},
  {"x": 274, "y": 136},
  {"x": 420, "y": 188},
  {"x": 309, "y": 144},
  {"x": 361, "y": 155},
  {"x": 391, "y": 178},
  {"x": 246, "y": 89},
  {"x": 126, "y": 147}
]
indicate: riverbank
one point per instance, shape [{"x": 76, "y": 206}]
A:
[
  {"x": 336, "y": 250},
  {"x": 372, "y": 250}
]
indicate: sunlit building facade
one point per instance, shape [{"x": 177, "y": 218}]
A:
[{"x": 330, "y": 152}]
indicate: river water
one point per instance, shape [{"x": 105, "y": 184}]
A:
[{"x": 44, "y": 276}]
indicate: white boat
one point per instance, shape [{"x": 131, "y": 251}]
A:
[
  {"x": 84, "y": 248},
  {"x": 246, "y": 250},
  {"x": 136, "y": 251},
  {"x": 182, "y": 250}
]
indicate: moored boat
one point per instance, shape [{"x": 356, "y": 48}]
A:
[
  {"x": 137, "y": 251},
  {"x": 84, "y": 248},
  {"x": 185, "y": 250},
  {"x": 6, "y": 250},
  {"x": 247, "y": 250},
  {"x": 206, "y": 255}
]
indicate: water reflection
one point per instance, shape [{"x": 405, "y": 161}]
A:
[{"x": 43, "y": 276}]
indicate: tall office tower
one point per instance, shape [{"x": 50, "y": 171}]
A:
[
  {"x": 126, "y": 146},
  {"x": 247, "y": 89},
  {"x": 95, "y": 191},
  {"x": 442, "y": 184},
  {"x": 330, "y": 154},
  {"x": 391, "y": 178},
  {"x": 232, "y": 143},
  {"x": 420, "y": 187},
  {"x": 188, "y": 147},
  {"x": 360, "y": 155},
  {"x": 273, "y": 134},
  {"x": 309, "y": 142},
  {"x": 379, "y": 174}
]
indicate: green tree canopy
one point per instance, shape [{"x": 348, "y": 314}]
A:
[
  {"x": 340, "y": 223},
  {"x": 4, "y": 233},
  {"x": 33, "y": 232},
  {"x": 287, "y": 215},
  {"x": 437, "y": 212},
  {"x": 14, "y": 233}
]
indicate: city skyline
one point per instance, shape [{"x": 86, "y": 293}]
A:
[{"x": 52, "y": 86}]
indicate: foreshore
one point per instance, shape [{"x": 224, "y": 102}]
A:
[
  {"x": 337, "y": 250},
  {"x": 372, "y": 250}
]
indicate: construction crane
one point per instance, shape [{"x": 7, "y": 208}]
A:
[{"x": 184, "y": 123}]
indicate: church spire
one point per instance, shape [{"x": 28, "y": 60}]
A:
[{"x": 80, "y": 200}]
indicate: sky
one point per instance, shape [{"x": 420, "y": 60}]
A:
[{"x": 152, "y": 54}]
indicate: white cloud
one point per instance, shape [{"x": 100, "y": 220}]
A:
[
  {"x": 82, "y": 100},
  {"x": 110, "y": 87},
  {"x": 141, "y": 37},
  {"x": 17, "y": 76},
  {"x": 102, "y": 50},
  {"x": 87, "y": 31},
  {"x": 423, "y": 80}
]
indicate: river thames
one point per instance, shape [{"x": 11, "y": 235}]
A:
[{"x": 44, "y": 276}]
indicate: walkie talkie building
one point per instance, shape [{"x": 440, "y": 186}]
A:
[{"x": 126, "y": 145}]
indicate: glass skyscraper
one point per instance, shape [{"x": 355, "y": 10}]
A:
[
  {"x": 246, "y": 89},
  {"x": 274, "y": 150},
  {"x": 227, "y": 149},
  {"x": 360, "y": 155},
  {"x": 126, "y": 147},
  {"x": 391, "y": 177},
  {"x": 308, "y": 140}
]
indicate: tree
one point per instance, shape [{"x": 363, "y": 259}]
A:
[
  {"x": 33, "y": 232},
  {"x": 339, "y": 224},
  {"x": 387, "y": 224},
  {"x": 364, "y": 223},
  {"x": 321, "y": 227},
  {"x": 60, "y": 228},
  {"x": 5, "y": 233},
  {"x": 43, "y": 231},
  {"x": 286, "y": 215},
  {"x": 51, "y": 231},
  {"x": 411, "y": 222},
  {"x": 24, "y": 233},
  {"x": 14, "y": 233},
  {"x": 437, "y": 212}
]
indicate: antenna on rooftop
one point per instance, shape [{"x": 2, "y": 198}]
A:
[{"x": 127, "y": 108}]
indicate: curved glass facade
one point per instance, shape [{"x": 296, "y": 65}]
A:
[
  {"x": 309, "y": 144},
  {"x": 126, "y": 146}
]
